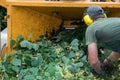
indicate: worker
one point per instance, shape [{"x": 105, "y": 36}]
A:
[{"x": 101, "y": 30}]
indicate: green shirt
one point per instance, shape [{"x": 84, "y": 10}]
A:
[{"x": 105, "y": 30}]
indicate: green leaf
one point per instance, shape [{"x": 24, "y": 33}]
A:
[
  {"x": 40, "y": 43},
  {"x": 27, "y": 59},
  {"x": 74, "y": 44},
  {"x": 84, "y": 58},
  {"x": 16, "y": 62},
  {"x": 81, "y": 53},
  {"x": 34, "y": 70},
  {"x": 75, "y": 48},
  {"x": 29, "y": 45},
  {"x": 58, "y": 76},
  {"x": 12, "y": 43},
  {"x": 15, "y": 68},
  {"x": 72, "y": 68},
  {"x": 13, "y": 78},
  {"x": 23, "y": 43},
  {"x": 47, "y": 74},
  {"x": 65, "y": 60},
  {"x": 19, "y": 38},
  {"x": 34, "y": 62},
  {"x": 29, "y": 77},
  {"x": 51, "y": 69},
  {"x": 71, "y": 54},
  {"x": 39, "y": 78},
  {"x": 40, "y": 59},
  {"x": 22, "y": 73},
  {"x": 6, "y": 76},
  {"x": 35, "y": 47},
  {"x": 78, "y": 65}
]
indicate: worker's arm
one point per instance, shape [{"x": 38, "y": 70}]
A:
[{"x": 93, "y": 57}]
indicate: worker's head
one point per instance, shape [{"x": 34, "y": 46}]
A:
[{"x": 92, "y": 13}]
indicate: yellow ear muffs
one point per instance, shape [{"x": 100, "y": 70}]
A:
[
  {"x": 105, "y": 15},
  {"x": 87, "y": 19}
]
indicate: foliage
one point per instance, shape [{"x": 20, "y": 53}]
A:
[
  {"x": 3, "y": 13},
  {"x": 48, "y": 59}
]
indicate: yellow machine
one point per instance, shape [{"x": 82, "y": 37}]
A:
[{"x": 37, "y": 17}]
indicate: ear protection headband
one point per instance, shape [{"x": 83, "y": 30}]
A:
[{"x": 88, "y": 20}]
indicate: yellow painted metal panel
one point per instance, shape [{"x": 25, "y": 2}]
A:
[
  {"x": 61, "y": 3},
  {"x": 26, "y": 21},
  {"x": 3, "y": 3}
]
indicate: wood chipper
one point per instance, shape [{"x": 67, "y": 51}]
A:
[
  {"x": 37, "y": 17},
  {"x": 30, "y": 53}
]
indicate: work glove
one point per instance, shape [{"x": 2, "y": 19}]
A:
[
  {"x": 107, "y": 66},
  {"x": 97, "y": 74},
  {"x": 102, "y": 73},
  {"x": 94, "y": 72}
]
